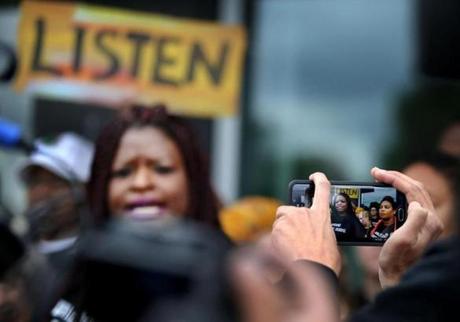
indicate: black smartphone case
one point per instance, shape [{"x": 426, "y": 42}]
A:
[{"x": 400, "y": 196}]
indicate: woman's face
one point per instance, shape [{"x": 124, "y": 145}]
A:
[
  {"x": 363, "y": 217},
  {"x": 148, "y": 176},
  {"x": 340, "y": 203},
  {"x": 386, "y": 210},
  {"x": 374, "y": 212}
]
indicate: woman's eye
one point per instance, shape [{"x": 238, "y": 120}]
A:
[
  {"x": 163, "y": 169},
  {"x": 121, "y": 173}
]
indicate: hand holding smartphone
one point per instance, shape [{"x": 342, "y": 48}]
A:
[{"x": 361, "y": 213}]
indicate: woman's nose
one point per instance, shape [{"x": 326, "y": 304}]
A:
[{"x": 144, "y": 178}]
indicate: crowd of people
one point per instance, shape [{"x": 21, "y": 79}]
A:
[
  {"x": 375, "y": 222},
  {"x": 129, "y": 229}
]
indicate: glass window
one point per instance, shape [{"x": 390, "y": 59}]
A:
[{"x": 324, "y": 83}]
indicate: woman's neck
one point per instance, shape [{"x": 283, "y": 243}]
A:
[{"x": 389, "y": 221}]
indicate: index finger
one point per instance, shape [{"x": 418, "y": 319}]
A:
[
  {"x": 322, "y": 191},
  {"x": 413, "y": 189}
]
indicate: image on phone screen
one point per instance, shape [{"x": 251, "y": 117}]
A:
[{"x": 361, "y": 213}]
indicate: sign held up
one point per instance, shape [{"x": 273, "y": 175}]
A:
[{"x": 113, "y": 56}]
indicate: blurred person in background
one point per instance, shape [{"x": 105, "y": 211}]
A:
[
  {"x": 364, "y": 219},
  {"x": 54, "y": 176},
  {"x": 374, "y": 212},
  {"x": 437, "y": 174},
  {"x": 437, "y": 171}
]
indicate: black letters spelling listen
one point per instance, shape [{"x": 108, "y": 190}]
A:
[{"x": 138, "y": 40}]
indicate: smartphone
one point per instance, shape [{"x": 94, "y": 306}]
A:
[{"x": 362, "y": 213}]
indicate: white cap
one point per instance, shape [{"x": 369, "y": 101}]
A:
[{"x": 69, "y": 156}]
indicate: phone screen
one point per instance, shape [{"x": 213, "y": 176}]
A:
[{"x": 361, "y": 213}]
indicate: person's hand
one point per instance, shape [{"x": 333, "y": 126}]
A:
[
  {"x": 407, "y": 244},
  {"x": 306, "y": 233},
  {"x": 313, "y": 298}
]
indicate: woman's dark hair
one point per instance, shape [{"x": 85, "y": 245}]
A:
[
  {"x": 203, "y": 203},
  {"x": 375, "y": 205},
  {"x": 390, "y": 200},
  {"x": 349, "y": 210},
  {"x": 365, "y": 208}
]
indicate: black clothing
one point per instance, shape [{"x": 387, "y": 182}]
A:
[
  {"x": 374, "y": 221},
  {"x": 367, "y": 232},
  {"x": 62, "y": 260},
  {"x": 382, "y": 232},
  {"x": 427, "y": 292},
  {"x": 347, "y": 228},
  {"x": 61, "y": 264},
  {"x": 11, "y": 249}
]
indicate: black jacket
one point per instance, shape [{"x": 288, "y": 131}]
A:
[{"x": 430, "y": 291}]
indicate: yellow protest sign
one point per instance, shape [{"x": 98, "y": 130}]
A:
[
  {"x": 111, "y": 56},
  {"x": 353, "y": 193}
]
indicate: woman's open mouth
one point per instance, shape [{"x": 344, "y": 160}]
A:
[{"x": 145, "y": 209}]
